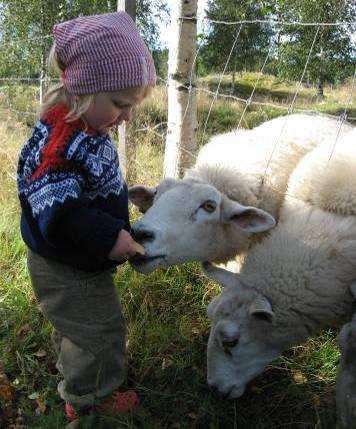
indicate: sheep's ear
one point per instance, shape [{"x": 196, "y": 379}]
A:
[
  {"x": 261, "y": 308},
  {"x": 247, "y": 218},
  {"x": 142, "y": 197}
]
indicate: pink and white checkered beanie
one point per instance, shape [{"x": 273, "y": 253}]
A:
[{"x": 102, "y": 53}]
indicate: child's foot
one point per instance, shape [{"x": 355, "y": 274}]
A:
[{"x": 116, "y": 403}]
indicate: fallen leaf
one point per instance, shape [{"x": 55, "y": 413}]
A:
[
  {"x": 166, "y": 363},
  {"x": 299, "y": 378},
  {"x": 24, "y": 329},
  {"x": 40, "y": 353},
  {"x": 41, "y": 407},
  {"x": 316, "y": 400},
  {"x": 6, "y": 390}
]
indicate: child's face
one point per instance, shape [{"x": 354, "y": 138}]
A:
[{"x": 112, "y": 108}]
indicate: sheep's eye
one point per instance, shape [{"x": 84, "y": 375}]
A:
[
  {"x": 209, "y": 206},
  {"x": 229, "y": 345}
]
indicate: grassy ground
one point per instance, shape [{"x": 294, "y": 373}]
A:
[{"x": 165, "y": 312}]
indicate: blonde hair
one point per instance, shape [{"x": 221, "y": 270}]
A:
[
  {"x": 77, "y": 104},
  {"x": 58, "y": 94}
]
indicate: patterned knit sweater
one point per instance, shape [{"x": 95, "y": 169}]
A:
[{"x": 73, "y": 198}]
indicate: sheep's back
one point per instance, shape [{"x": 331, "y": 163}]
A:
[
  {"x": 326, "y": 177},
  {"x": 306, "y": 264},
  {"x": 254, "y": 166}
]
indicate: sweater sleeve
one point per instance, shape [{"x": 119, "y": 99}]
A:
[{"x": 91, "y": 229}]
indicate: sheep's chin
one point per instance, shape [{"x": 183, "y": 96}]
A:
[
  {"x": 237, "y": 391},
  {"x": 149, "y": 264}
]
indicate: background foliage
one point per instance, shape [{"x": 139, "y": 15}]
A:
[
  {"x": 165, "y": 312},
  {"x": 25, "y": 37},
  {"x": 26, "y": 26}
]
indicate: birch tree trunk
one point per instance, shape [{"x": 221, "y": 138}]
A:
[
  {"x": 42, "y": 76},
  {"x": 128, "y": 6},
  {"x": 181, "y": 145}
]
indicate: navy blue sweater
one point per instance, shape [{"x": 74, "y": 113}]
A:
[{"x": 73, "y": 197}]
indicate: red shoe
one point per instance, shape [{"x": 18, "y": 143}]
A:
[{"x": 116, "y": 403}]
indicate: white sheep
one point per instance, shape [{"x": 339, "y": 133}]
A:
[
  {"x": 325, "y": 177},
  {"x": 237, "y": 162},
  {"x": 294, "y": 283},
  {"x": 211, "y": 214}
]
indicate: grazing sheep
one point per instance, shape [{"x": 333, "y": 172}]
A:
[
  {"x": 211, "y": 214},
  {"x": 294, "y": 283}
]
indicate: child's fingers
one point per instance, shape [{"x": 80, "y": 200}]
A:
[
  {"x": 137, "y": 248},
  {"x": 134, "y": 250}
]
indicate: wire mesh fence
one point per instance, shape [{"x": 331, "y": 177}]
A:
[{"x": 21, "y": 95}]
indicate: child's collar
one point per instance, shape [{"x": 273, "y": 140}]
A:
[{"x": 59, "y": 113}]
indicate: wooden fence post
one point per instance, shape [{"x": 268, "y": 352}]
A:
[
  {"x": 182, "y": 107},
  {"x": 128, "y": 6}
]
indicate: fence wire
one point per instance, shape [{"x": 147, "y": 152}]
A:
[{"x": 39, "y": 81}]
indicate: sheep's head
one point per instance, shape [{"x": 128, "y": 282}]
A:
[
  {"x": 242, "y": 339},
  {"x": 191, "y": 221}
]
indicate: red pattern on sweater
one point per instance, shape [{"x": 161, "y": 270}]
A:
[{"x": 59, "y": 138}]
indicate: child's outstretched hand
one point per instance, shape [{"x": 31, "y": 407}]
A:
[{"x": 125, "y": 247}]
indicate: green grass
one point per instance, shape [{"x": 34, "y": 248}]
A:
[{"x": 165, "y": 311}]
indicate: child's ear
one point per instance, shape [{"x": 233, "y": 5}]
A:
[{"x": 142, "y": 197}]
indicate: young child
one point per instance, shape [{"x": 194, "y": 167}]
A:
[{"x": 74, "y": 204}]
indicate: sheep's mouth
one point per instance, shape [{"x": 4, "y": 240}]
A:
[
  {"x": 236, "y": 392},
  {"x": 147, "y": 264},
  {"x": 142, "y": 259}
]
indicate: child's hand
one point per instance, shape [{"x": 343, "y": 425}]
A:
[{"x": 125, "y": 247}]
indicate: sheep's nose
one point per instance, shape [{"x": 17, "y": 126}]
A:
[
  {"x": 142, "y": 234},
  {"x": 214, "y": 388}
]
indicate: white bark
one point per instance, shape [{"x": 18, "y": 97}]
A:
[
  {"x": 128, "y": 6},
  {"x": 182, "y": 107}
]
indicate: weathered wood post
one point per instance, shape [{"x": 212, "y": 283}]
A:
[
  {"x": 182, "y": 107},
  {"x": 128, "y": 6}
]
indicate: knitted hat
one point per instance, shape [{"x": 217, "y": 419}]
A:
[{"x": 102, "y": 53}]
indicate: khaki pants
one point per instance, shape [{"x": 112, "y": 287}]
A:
[{"x": 89, "y": 328}]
